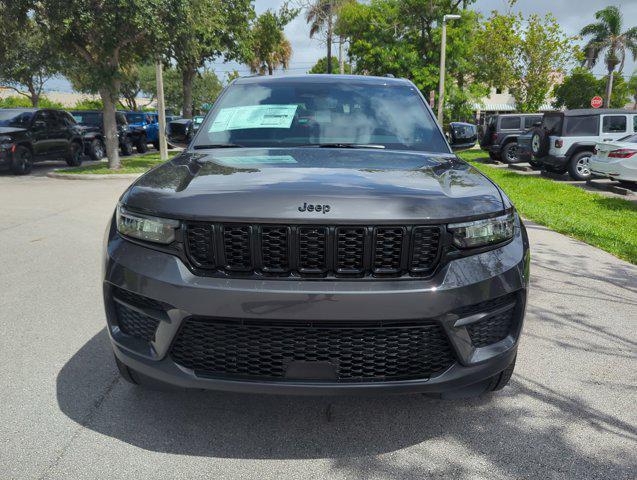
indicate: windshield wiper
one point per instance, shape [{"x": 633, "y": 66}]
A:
[
  {"x": 217, "y": 145},
  {"x": 343, "y": 145}
]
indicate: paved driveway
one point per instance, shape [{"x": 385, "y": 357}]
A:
[{"x": 569, "y": 413}]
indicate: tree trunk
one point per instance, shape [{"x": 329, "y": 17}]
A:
[
  {"x": 34, "y": 95},
  {"x": 609, "y": 89},
  {"x": 187, "y": 76},
  {"x": 329, "y": 38},
  {"x": 270, "y": 69},
  {"x": 110, "y": 126}
]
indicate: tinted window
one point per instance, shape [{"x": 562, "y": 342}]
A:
[
  {"x": 553, "y": 124},
  {"x": 88, "y": 118},
  {"x": 614, "y": 124},
  {"x": 510, "y": 123},
  {"x": 586, "y": 125},
  {"x": 121, "y": 119},
  {"x": 635, "y": 123},
  {"x": 46, "y": 117},
  {"x": 302, "y": 113},
  {"x": 66, "y": 120},
  {"x": 15, "y": 118},
  {"x": 530, "y": 121}
]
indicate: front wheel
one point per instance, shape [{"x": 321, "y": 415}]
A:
[
  {"x": 74, "y": 156},
  {"x": 142, "y": 145},
  {"x": 126, "y": 147},
  {"x": 578, "y": 167},
  {"x": 22, "y": 161},
  {"x": 97, "y": 150},
  {"x": 510, "y": 152}
]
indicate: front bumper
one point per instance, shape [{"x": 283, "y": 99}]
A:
[
  {"x": 620, "y": 169},
  {"x": 463, "y": 282}
]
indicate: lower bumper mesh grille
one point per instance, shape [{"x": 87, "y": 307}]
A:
[
  {"x": 135, "y": 323},
  {"x": 495, "y": 327},
  {"x": 354, "y": 353}
]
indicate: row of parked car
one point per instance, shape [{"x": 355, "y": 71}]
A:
[
  {"x": 583, "y": 142},
  {"x": 28, "y": 135}
]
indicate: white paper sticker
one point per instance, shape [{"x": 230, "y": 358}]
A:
[{"x": 253, "y": 116}]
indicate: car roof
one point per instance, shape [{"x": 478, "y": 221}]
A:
[
  {"x": 595, "y": 111},
  {"x": 86, "y": 111},
  {"x": 23, "y": 109},
  {"x": 538, "y": 114},
  {"x": 321, "y": 78}
]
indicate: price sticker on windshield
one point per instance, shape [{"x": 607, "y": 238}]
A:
[{"x": 254, "y": 116}]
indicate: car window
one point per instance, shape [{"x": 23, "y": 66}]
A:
[
  {"x": 15, "y": 118},
  {"x": 510, "y": 123},
  {"x": 301, "y": 113},
  {"x": 553, "y": 124},
  {"x": 614, "y": 124},
  {"x": 88, "y": 118},
  {"x": 635, "y": 123},
  {"x": 530, "y": 121},
  {"x": 65, "y": 119},
  {"x": 121, "y": 119},
  {"x": 581, "y": 126},
  {"x": 47, "y": 117},
  {"x": 135, "y": 118}
]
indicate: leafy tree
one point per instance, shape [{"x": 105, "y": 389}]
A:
[
  {"x": 632, "y": 89},
  {"x": 321, "y": 66},
  {"x": 28, "y": 60},
  {"x": 101, "y": 39},
  {"x": 523, "y": 55},
  {"x": 576, "y": 90},
  {"x": 270, "y": 48},
  {"x": 607, "y": 36},
  {"x": 203, "y": 30},
  {"x": 321, "y": 15},
  {"x": 133, "y": 79}
]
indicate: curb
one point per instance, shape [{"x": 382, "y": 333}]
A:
[{"x": 93, "y": 176}]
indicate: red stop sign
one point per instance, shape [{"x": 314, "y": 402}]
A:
[{"x": 597, "y": 101}]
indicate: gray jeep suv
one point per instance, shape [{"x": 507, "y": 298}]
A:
[{"x": 317, "y": 235}]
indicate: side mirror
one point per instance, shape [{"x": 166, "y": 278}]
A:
[
  {"x": 462, "y": 137},
  {"x": 179, "y": 132}
]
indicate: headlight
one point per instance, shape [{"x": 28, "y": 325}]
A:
[
  {"x": 480, "y": 233},
  {"x": 144, "y": 227}
]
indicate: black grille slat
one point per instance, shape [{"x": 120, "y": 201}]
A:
[
  {"x": 366, "y": 353},
  {"x": 135, "y": 323},
  {"x": 313, "y": 251},
  {"x": 237, "y": 241},
  {"x": 350, "y": 244},
  {"x": 491, "y": 329},
  {"x": 200, "y": 245},
  {"x": 388, "y": 247},
  {"x": 275, "y": 249},
  {"x": 425, "y": 247}
]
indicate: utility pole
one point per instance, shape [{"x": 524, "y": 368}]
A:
[
  {"x": 443, "y": 47},
  {"x": 163, "y": 146}
]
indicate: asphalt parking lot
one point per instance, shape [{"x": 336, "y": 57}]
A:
[{"x": 569, "y": 413}]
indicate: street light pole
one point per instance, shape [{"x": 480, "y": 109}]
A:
[{"x": 443, "y": 48}]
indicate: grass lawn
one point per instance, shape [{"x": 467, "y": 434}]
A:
[
  {"x": 607, "y": 223},
  {"x": 137, "y": 164}
]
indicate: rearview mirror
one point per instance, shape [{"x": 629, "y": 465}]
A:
[{"x": 179, "y": 132}]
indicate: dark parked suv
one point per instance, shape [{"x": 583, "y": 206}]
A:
[
  {"x": 318, "y": 235},
  {"x": 92, "y": 122},
  {"x": 28, "y": 135},
  {"x": 500, "y": 137}
]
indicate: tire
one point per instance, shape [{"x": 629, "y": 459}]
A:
[
  {"x": 540, "y": 142},
  {"x": 578, "y": 168},
  {"x": 142, "y": 145},
  {"x": 74, "y": 156},
  {"x": 156, "y": 145},
  {"x": 97, "y": 149},
  {"x": 22, "y": 161},
  {"x": 126, "y": 147},
  {"x": 494, "y": 156},
  {"x": 499, "y": 381},
  {"x": 509, "y": 153}
]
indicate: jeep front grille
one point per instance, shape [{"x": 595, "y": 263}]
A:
[
  {"x": 312, "y": 251},
  {"x": 271, "y": 350}
]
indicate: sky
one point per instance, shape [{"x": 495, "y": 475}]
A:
[{"x": 571, "y": 14}]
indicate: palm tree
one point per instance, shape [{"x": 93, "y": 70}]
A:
[
  {"x": 270, "y": 48},
  {"x": 321, "y": 16},
  {"x": 273, "y": 59},
  {"x": 607, "y": 37}
]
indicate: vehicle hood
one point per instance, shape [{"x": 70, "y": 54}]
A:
[
  {"x": 11, "y": 130},
  {"x": 359, "y": 185}
]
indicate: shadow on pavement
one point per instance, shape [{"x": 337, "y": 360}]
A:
[{"x": 504, "y": 430}]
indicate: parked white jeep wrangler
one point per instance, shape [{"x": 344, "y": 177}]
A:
[{"x": 566, "y": 140}]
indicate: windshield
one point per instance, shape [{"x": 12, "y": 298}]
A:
[
  {"x": 15, "y": 118},
  {"x": 294, "y": 114},
  {"x": 136, "y": 118}
]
